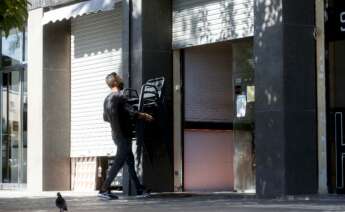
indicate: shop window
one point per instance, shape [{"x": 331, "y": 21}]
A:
[{"x": 13, "y": 48}]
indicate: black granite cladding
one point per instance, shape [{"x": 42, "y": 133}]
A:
[{"x": 286, "y": 119}]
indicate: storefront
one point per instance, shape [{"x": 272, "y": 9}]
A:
[
  {"x": 96, "y": 50},
  {"x": 213, "y": 47},
  {"x": 228, "y": 128},
  {"x": 80, "y": 44},
  {"x": 13, "y": 106}
]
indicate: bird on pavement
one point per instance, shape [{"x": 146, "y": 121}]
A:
[{"x": 61, "y": 203}]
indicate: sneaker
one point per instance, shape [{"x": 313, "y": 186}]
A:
[
  {"x": 107, "y": 195},
  {"x": 142, "y": 191},
  {"x": 112, "y": 195}
]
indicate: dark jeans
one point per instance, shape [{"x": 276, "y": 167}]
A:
[{"x": 123, "y": 155}]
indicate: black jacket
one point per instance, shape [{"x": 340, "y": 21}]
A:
[{"x": 119, "y": 114}]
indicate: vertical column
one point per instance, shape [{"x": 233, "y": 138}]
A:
[
  {"x": 128, "y": 186},
  {"x": 56, "y": 106},
  {"x": 243, "y": 127},
  {"x": 35, "y": 100},
  {"x": 1, "y": 115},
  {"x": 321, "y": 94},
  {"x": 286, "y": 141},
  {"x": 136, "y": 48},
  {"x": 157, "y": 61},
  {"x": 269, "y": 114},
  {"x": 151, "y": 56},
  {"x": 126, "y": 23},
  {"x": 300, "y": 97},
  {"x": 178, "y": 158},
  {"x": 0, "y": 51}
]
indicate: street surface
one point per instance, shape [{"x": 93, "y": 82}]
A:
[{"x": 187, "y": 203}]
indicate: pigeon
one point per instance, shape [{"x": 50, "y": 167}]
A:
[{"x": 61, "y": 203}]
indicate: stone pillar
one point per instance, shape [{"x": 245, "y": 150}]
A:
[
  {"x": 56, "y": 106},
  {"x": 151, "y": 56},
  {"x": 48, "y": 104},
  {"x": 35, "y": 101},
  {"x": 286, "y": 141}
]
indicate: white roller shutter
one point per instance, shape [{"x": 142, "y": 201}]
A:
[
  {"x": 197, "y": 22},
  {"x": 95, "y": 52}
]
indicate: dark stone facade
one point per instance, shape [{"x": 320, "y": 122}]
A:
[
  {"x": 286, "y": 113},
  {"x": 147, "y": 37}
]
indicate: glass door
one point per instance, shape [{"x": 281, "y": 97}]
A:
[{"x": 13, "y": 129}]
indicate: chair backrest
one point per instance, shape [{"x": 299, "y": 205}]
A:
[
  {"x": 158, "y": 83},
  {"x": 151, "y": 92}
]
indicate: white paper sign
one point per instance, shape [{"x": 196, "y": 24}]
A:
[{"x": 241, "y": 104}]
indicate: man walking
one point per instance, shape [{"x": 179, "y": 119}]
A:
[{"x": 119, "y": 114}]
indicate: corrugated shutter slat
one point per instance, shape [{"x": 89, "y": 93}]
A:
[
  {"x": 210, "y": 97},
  {"x": 197, "y": 22},
  {"x": 95, "y": 51}
]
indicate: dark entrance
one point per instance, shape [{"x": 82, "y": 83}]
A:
[{"x": 335, "y": 57}]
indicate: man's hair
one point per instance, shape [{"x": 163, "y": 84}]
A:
[{"x": 114, "y": 80}]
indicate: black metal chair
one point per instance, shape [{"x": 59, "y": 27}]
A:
[
  {"x": 150, "y": 94},
  {"x": 149, "y": 101}
]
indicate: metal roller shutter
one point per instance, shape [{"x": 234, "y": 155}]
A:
[
  {"x": 208, "y": 83},
  {"x": 96, "y": 50},
  {"x": 197, "y": 22},
  {"x": 208, "y": 160}
]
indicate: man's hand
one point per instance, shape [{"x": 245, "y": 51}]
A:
[{"x": 145, "y": 116}]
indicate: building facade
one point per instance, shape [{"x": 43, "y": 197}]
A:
[{"x": 252, "y": 99}]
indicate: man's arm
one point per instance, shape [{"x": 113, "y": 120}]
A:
[
  {"x": 129, "y": 108},
  {"x": 135, "y": 114},
  {"x": 105, "y": 115}
]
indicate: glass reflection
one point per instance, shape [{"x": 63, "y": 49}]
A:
[
  {"x": 25, "y": 129},
  {"x": 13, "y": 108},
  {"x": 12, "y": 48},
  {"x": 11, "y": 126}
]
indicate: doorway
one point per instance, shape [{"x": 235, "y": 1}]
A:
[
  {"x": 13, "y": 129},
  {"x": 218, "y": 117}
]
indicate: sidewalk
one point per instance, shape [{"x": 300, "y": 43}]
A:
[
  {"x": 225, "y": 202},
  {"x": 5, "y": 194}
]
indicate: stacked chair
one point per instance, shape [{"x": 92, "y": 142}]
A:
[{"x": 150, "y": 100}]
